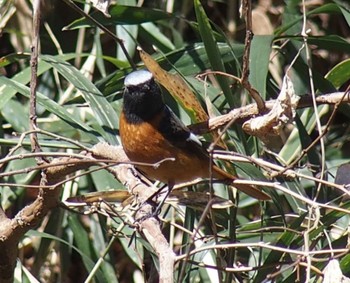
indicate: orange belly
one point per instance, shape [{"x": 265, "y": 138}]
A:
[{"x": 149, "y": 146}]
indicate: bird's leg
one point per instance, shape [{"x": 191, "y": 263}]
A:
[
  {"x": 151, "y": 202},
  {"x": 159, "y": 207}
]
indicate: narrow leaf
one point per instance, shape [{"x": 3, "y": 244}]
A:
[
  {"x": 104, "y": 113},
  {"x": 213, "y": 52},
  {"x": 122, "y": 15},
  {"x": 259, "y": 62}
]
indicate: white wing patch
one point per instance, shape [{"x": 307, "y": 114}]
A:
[
  {"x": 181, "y": 126},
  {"x": 194, "y": 138}
]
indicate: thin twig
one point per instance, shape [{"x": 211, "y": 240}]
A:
[
  {"x": 321, "y": 133},
  {"x": 245, "y": 112},
  {"x": 247, "y": 13},
  {"x": 264, "y": 246},
  {"x": 34, "y": 77},
  {"x": 187, "y": 254}
]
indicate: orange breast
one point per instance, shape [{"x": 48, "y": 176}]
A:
[{"x": 143, "y": 143}]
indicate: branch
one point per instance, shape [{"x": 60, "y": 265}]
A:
[
  {"x": 251, "y": 110},
  {"x": 12, "y": 230},
  {"x": 148, "y": 226},
  {"x": 34, "y": 78},
  {"x": 247, "y": 13}
]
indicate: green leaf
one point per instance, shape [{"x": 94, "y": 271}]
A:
[
  {"x": 323, "y": 9},
  {"x": 259, "y": 62},
  {"x": 284, "y": 240},
  {"x": 104, "y": 113},
  {"x": 87, "y": 259},
  {"x": 116, "y": 62},
  {"x": 20, "y": 123},
  {"x": 306, "y": 141},
  {"x": 292, "y": 147},
  {"x": 327, "y": 42},
  {"x": 345, "y": 263},
  {"x": 340, "y": 73},
  {"x": 189, "y": 60},
  {"x": 129, "y": 34},
  {"x": 152, "y": 34},
  {"x": 84, "y": 244},
  {"x": 104, "y": 181},
  {"x": 7, "y": 92},
  {"x": 194, "y": 58},
  {"x": 99, "y": 238},
  {"x": 345, "y": 9},
  {"x": 212, "y": 50},
  {"x": 122, "y": 15},
  {"x": 53, "y": 227},
  {"x": 49, "y": 104},
  {"x": 12, "y": 58},
  {"x": 330, "y": 42},
  {"x": 134, "y": 251}
]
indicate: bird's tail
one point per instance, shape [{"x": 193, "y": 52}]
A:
[{"x": 254, "y": 192}]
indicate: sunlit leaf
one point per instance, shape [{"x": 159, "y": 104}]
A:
[
  {"x": 259, "y": 62},
  {"x": 211, "y": 47},
  {"x": 104, "y": 113},
  {"x": 339, "y": 74}
]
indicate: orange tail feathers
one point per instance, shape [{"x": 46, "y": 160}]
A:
[{"x": 247, "y": 189}]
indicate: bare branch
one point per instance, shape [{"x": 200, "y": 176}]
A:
[
  {"x": 34, "y": 77},
  {"x": 251, "y": 110},
  {"x": 247, "y": 13}
]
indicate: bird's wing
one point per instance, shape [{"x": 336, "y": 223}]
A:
[{"x": 176, "y": 131}]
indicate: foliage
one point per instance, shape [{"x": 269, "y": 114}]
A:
[{"x": 81, "y": 71}]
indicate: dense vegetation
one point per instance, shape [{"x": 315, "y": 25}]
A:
[{"x": 300, "y": 158}]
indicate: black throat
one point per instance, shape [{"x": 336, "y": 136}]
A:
[{"x": 142, "y": 102}]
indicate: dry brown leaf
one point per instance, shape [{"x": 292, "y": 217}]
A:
[
  {"x": 177, "y": 87},
  {"x": 197, "y": 200},
  {"x": 282, "y": 113},
  {"x": 107, "y": 196}
]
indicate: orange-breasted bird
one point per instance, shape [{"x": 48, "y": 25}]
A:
[{"x": 150, "y": 132}]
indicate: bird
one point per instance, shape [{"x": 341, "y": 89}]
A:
[{"x": 151, "y": 133}]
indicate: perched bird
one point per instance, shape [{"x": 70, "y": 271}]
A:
[{"x": 150, "y": 132}]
